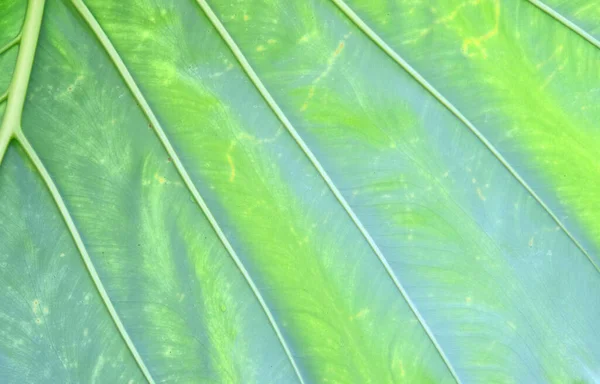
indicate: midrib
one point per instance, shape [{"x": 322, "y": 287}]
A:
[
  {"x": 17, "y": 90},
  {"x": 11, "y": 129}
]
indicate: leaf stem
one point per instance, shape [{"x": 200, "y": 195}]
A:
[
  {"x": 4, "y": 96},
  {"x": 37, "y": 162},
  {"x": 17, "y": 89}
]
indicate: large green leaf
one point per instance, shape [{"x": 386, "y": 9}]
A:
[{"x": 306, "y": 191}]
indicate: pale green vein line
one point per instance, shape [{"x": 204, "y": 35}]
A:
[
  {"x": 290, "y": 128},
  {"x": 446, "y": 103},
  {"x": 37, "y": 162},
  {"x": 11, "y": 127},
  {"x": 13, "y": 42},
  {"x": 17, "y": 89},
  {"x": 3, "y": 97},
  {"x": 131, "y": 84},
  {"x": 568, "y": 23}
]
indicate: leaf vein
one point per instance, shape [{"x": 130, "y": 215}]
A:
[
  {"x": 315, "y": 162},
  {"x": 452, "y": 108},
  {"x": 56, "y": 196},
  {"x": 566, "y": 22},
  {"x": 131, "y": 84}
]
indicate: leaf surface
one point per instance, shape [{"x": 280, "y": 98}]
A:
[
  {"x": 534, "y": 99},
  {"x": 318, "y": 191}
]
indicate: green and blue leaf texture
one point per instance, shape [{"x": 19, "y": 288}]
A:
[{"x": 300, "y": 191}]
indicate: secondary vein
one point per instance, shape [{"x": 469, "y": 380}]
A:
[
  {"x": 452, "y": 108},
  {"x": 566, "y": 22},
  {"x": 315, "y": 162},
  {"x": 56, "y": 196},
  {"x": 137, "y": 94},
  {"x": 10, "y": 44}
]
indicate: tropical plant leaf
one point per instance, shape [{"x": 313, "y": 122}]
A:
[{"x": 299, "y": 191}]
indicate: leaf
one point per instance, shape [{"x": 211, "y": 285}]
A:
[
  {"x": 283, "y": 191},
  {"x": 491, "y": 52}
]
